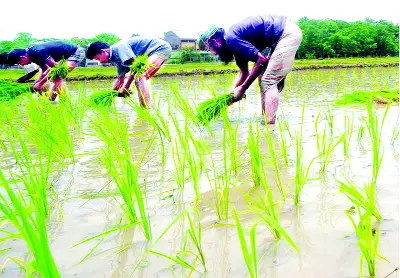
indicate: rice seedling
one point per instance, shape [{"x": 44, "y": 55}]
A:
[
  {"x": 395, "y": 134},
  {"x": 364, "y": 199},
  {"x": 220, "y": 184},
  {"x": 230, "y": 142},
  {"x": 267, "y": 211},
  {"x": 102, "y": 98},
  {"x": 368, "y": 241},
  {"x": 302, "y": 170},
  {"x": 193, "y": 165},
  {"x": 212, "y": 108},
  {"x": 181, "y": 103},
  {"x": 29, "y": 222},
  {"x": 329, "y": 116},
  {"x": 253, "y": 144},
  {"x": 75, "y": 108},
  {"x": 347, "y": 134},
  {"x": 250, "y": 257},
  {"x": 157, "y": 121},
  {"x": 284, "y": 145},
  {"x": 140, "y": 65},
  {"x": 60, "y": 71},
  {"x": 325, "y": 146},
  {"x": 374, "y": 128},
  {"x": 192, "y": 235},
  {"x": 271, "y": 148},
  {"x": 10, "y": 90},
  {"x": 117, "y": 158},
  {"x": 360, "y": 133}
]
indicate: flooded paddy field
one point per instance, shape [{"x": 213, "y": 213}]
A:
[{"x": 157, "y": 195}]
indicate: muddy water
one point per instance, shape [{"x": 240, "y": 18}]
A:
[{"x": 322, "y": 231}]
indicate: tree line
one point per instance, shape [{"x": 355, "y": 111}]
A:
[{"x": 324, "y": 38}]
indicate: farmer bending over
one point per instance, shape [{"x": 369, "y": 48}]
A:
[
  {"x": 46, "y": 55},
  {"x": 248, "y": 40},
  {"x": 123, "y": 53}
]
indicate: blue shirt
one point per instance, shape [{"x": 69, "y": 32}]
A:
[
  {"x": 123, "y": 51},
  {"x": 41, "y": 53},
  {"x": 252, "y": 35}
]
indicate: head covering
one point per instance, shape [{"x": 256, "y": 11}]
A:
[{"x": 204, "y": 36}]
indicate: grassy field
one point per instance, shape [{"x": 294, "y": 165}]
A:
[{"x": 109, "y": 72}]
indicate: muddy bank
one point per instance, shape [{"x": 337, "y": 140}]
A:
[{"x": 209, "y": 72}]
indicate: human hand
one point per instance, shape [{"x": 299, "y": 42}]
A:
[
  {"x": 123, "y": 92},
  {"x": 238, "y": 93}
]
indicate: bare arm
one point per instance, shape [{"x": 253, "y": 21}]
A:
[
  {"x": 243, "y": 74},
  {"x": 258, "y": 68},
  {"x": 118, "y": 83}
]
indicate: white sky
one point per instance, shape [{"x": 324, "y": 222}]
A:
[{"x": 86, "y": 18}]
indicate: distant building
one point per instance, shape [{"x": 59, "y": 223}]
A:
[{"x": 178, "y": 39}]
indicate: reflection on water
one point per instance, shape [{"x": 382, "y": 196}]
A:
[{"x": 323, "y": 233}]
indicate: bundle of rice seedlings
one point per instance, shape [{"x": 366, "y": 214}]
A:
[
  {"x": 140, "y": 65},
  {"x": 60, "y": 71},
  {"x": 211, "y": 108},
  {"x": 102, "y": 98},
  {"x": 10, "y": 90},
  {"x": 380, "y": 96}
]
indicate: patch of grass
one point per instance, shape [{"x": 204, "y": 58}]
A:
[{"x": 381, "y": 96}]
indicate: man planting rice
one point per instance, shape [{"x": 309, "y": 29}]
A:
[
  {"x": 248, "y": 40},
  {"x": 123, "y": 55},
  {"x": 48, "y": 55}
]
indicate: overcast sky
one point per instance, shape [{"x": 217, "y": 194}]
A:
[{"x": 85, "y": 18}]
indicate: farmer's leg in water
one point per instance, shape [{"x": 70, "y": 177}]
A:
[
  {"x": 143, "y": 83},
  {"x": 280, "y": 64}
]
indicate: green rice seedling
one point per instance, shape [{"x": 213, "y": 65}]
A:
[
  {"x": 360, "y": 133},
  {"x": 60, "y": 71},
  {"x": 75, "y": 108},
  {"x": 157, "y": 120},
  {"x": 179, "y": 164},
  {"x": 374, "y": 128},
  {"x": 368, "y": 241},
  {"x": 181, "y": 103},
  {"x": 192, "y": 235},
  {"x": 220, "y": 191},
  {"x": 284, "y": 145},
  {"x": 30, "y": 224},
  {"x": 212, "y": 108},
  {"x": 361, "y": 97},
  {"x": 329, "y": 117},
  {"x": 271, "y": 148},
  {"x": 325, "y": 146},
  {"x": 250, "y": 257},
  {"x": 48, "y": 130},
  {"x": 230, "y": 142},
  {"x": 253, "y": 144},
  {"x": 10, "y": 90},
  {"x": 267, "y": 210},
  {"x": 117, "y": 158},
  {"x": 140, "y": 65},
  {"x": 102, "y": 98},
  {"x": 302, "y": 171},
  {"x": 395, "y": 134},
  {"x": 347, "y": 134},
  {"x": 365, "y": 200},
  {"x": 193, "y": 165}
]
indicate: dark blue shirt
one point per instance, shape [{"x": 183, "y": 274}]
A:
[
  {"x": 252, "y": 35},
  {"x": 41, "y": 53}
]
